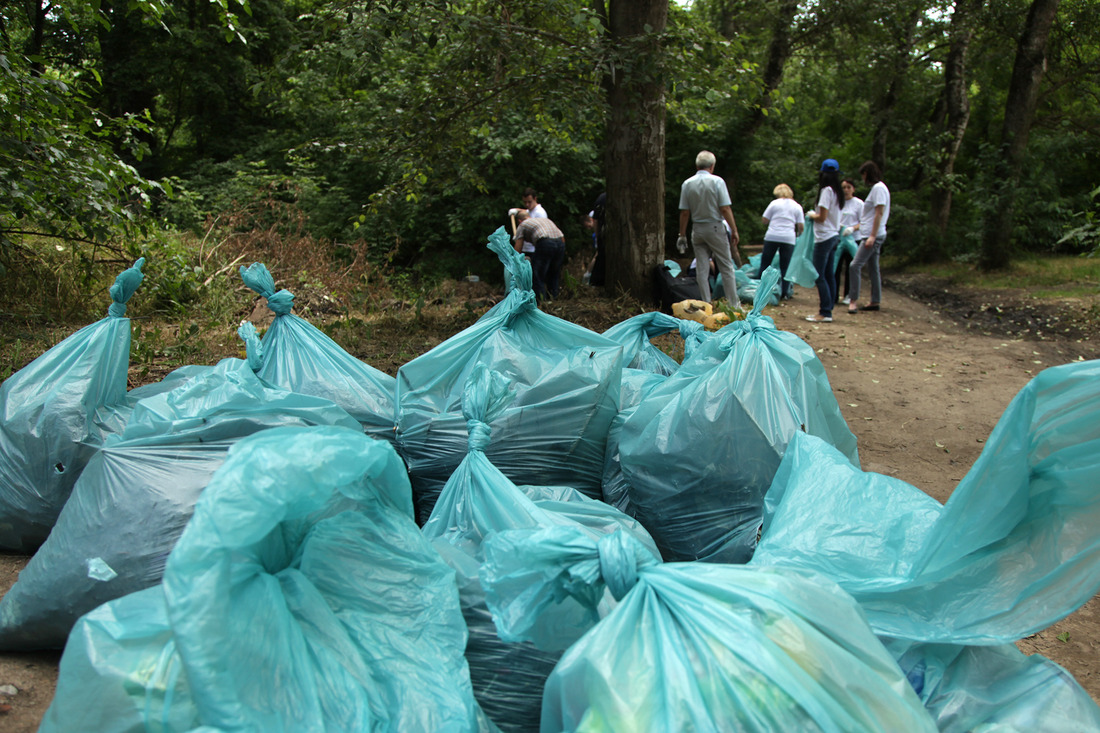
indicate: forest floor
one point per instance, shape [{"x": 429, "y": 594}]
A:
[{"x": 921, "y": 383}]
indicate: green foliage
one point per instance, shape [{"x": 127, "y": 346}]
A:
[
  {"x": 59, "y": 172},
  {"x": 1084, "y": 236}
]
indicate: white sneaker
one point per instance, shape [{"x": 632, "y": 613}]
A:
[{"x": 846, "y": 300}]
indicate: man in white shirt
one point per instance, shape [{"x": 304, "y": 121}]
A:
[{"x": 705, "y": 201}]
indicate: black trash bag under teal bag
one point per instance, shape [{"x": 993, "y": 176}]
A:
[
  {"x": 566, "y": 381},
  {"x": 299, "y": 357},
  {"x": 136, "y": 495},
  {"x": 694, "y": 646},
  {"x": 635, "y": 334},
  {"x": 301, "y": 596},
  {"x": 700, "y": 450},
  {"x": 995, "y": 688},
  {"x": 54, "y": 413},
  {"x": 1015, "y": 549},
  {"x": 479, "y": 500}
]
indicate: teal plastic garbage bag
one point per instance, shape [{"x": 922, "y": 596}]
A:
[
  {"x": 54, "y": 413},
  {"x": 977, "y": 688},
  {"x": 801, "y": 270},
  {"x": 299, "y": 357},
  {"x": 701, "y": 449},
  {"x": 121, "y": 672},
  {"x": 1015, "y": 549},
  {"x": 635, "y": 334},
  {"x": 846, "y": 245},
  {"x": 695, "y": 646},
  {"x": 477, "y": 501},
  {"x": 136, "y": 495},
  {"x": 566, "y": 380},
  {"x": 302, "y": 596}
]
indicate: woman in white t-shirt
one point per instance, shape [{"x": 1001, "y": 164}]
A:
[
  {"x": 872, "y": 225},
  {"x": 848, "y": 245},
  {"x": 826, "y": 218},
  {"x": 783, "y": 217}
]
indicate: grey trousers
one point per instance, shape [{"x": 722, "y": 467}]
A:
[
  {"x": 710, "y": 240},
  {"x": 866, "y": 256}
]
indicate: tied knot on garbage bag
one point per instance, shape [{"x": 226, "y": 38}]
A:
[
  {"x": 620, "y": 562},
  {"x": 480, "y": 434},
  {"x": 125, "y": 285},
  {"x": 485, "y": 395},
  {"x": 257, "y": 277}
]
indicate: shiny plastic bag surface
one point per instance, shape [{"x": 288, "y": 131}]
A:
[
  {"x": 479, "y": 500},
  {"x": 54, "y": 414},
  {"x": 1015, "y": 549},
  {"x": 566, "y": 382},
  {"x": 136, "y": 495},
  {"x": 695, "y": 646},
  {"x": 301, "y": 597},
  {"x": 702, "y": 448},
  {"x": 299, "y": 357}
]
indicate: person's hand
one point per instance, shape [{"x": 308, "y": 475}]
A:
[
  {"x": 735, "y": 239},
  {"x": 682, "y": 244},
  {"x": 846, "y": 231},
  {"x": 870, "y": 241}
]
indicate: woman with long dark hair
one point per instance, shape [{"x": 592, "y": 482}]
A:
[
  {"x": 826, "y": 218},
  {"x": 872, "y": 224}
]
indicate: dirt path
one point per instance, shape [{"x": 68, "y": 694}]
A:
[{"x": 920, "y": 392}]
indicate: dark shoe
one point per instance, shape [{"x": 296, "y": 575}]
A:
[
  {"x": 871, "y": 307},
  {"x": 853, "y": 308}
]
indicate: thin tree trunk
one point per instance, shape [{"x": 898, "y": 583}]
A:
[
  {"x": 1023, "y": 95},
  {"x": 957, "y": 117},
  {"x": 634, "y": 154}
]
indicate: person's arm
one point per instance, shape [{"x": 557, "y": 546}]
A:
[
  {"x": 735, "y": 238},
  {"x": 870, "y": 240},
  {"x": 685, "y": 215},
  {"x": 765, "y": 220},
  {"x": 798, "y": 227}
]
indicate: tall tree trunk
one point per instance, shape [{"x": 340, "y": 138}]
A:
[
  {"x": 956, "y": 105},
  {"x": 779, "y": 51},
  {"x": 1023, "y": 94},
  {"x": 634, "y": 154},
  {"x": 882, "y": 111}
]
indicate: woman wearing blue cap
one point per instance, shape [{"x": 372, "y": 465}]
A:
[{"x": 826, "y": 218}]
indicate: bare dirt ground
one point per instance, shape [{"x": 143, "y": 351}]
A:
[{"x": 921, "y": 383}]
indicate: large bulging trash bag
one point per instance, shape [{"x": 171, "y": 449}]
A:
[
  {"x": 695, "y": 646},
  {"x": 301, "y": 596},
  {"x": 977, "y": 688},
  {"x": 299, "y": 357},
  {"x": 138, "y": 492},
  {"x": 1015, "y": 549},
  {"x": 479, "y": 500},
  {"x": 701, "y": 449},
  {"x": 635, "y": 334},
  {"x": 53, "y": 415},
  {"x": 566, "y": 382}
]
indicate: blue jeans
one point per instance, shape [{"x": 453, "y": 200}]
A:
[
  {"x": 546, "y": 266},
  {"x": 785, "y": 251},
  {"x": 826, "y": 274}
]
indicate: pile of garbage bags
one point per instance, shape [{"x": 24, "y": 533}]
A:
[{"x": 532, "y": 527}]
